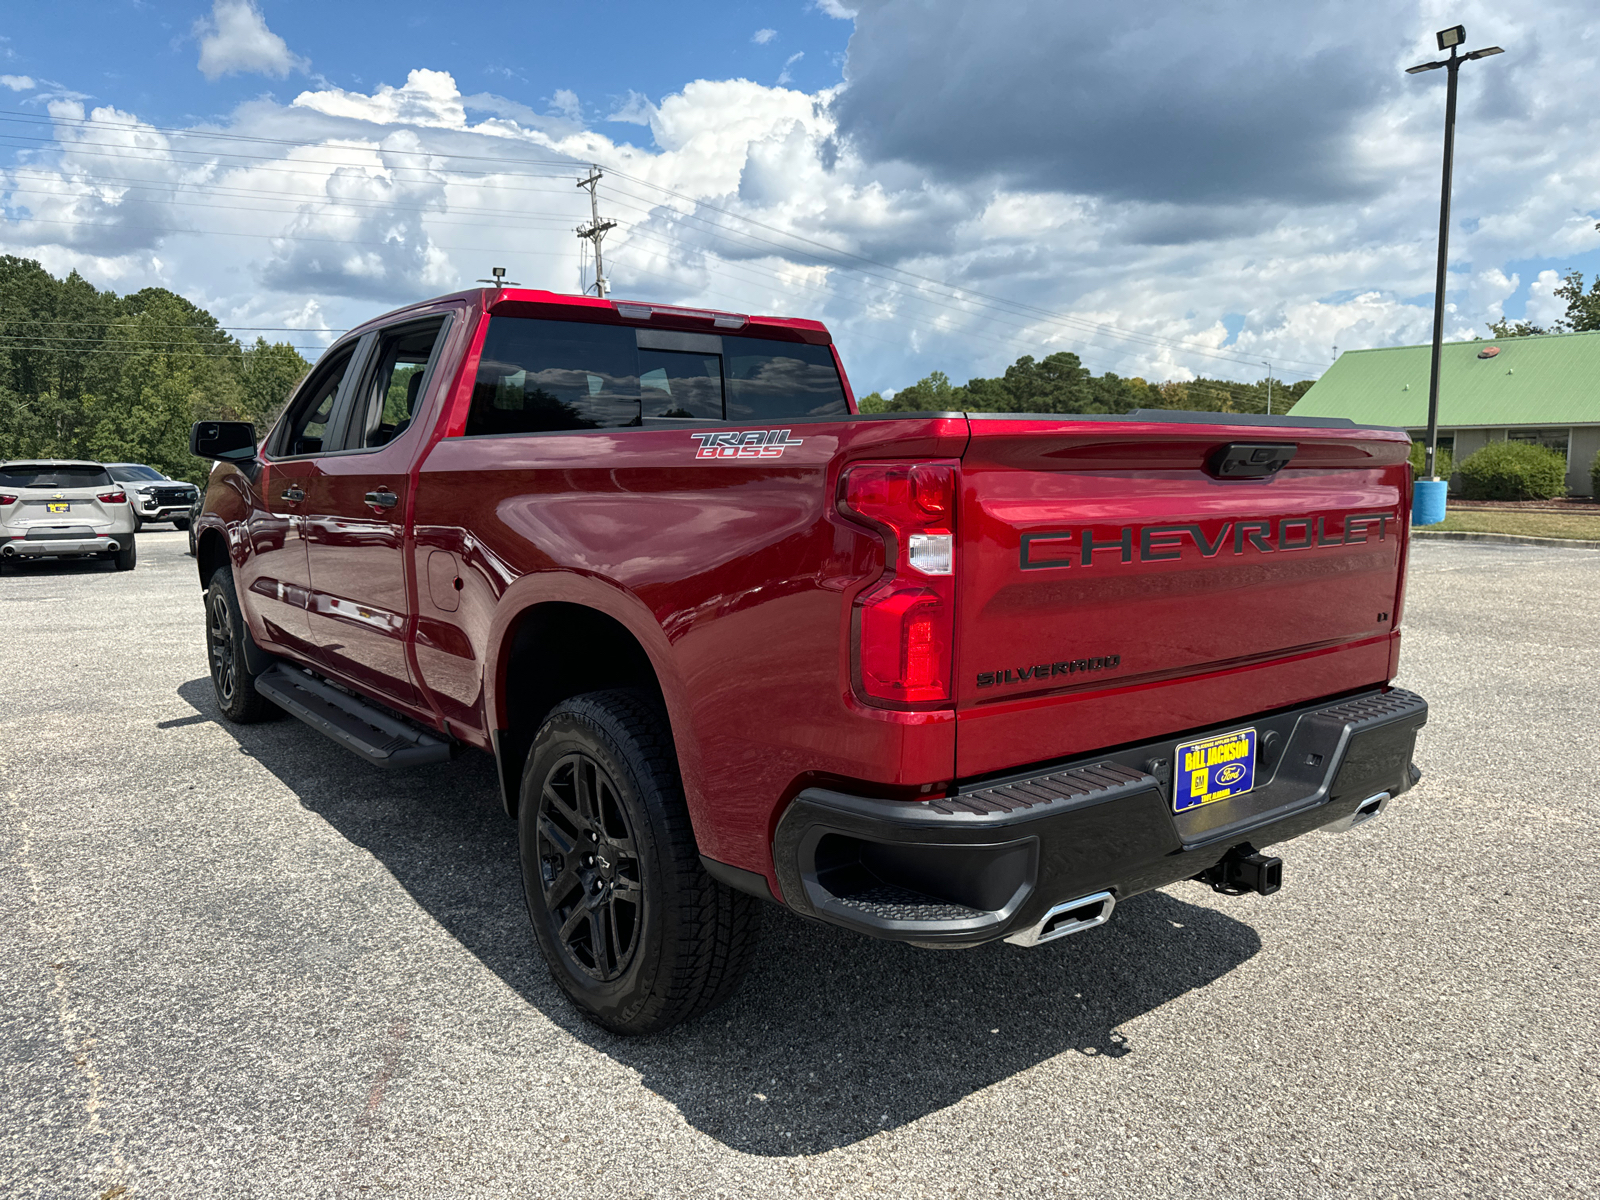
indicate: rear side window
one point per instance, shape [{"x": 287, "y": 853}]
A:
[
  {"x": 393, "y": 390},
  {"x": 769, "y": 380},
  {"x": 538, "y": 376},
  {"x": 25, "y": 476}
]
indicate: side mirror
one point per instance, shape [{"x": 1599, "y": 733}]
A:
[{"x": 227, "y": 441}]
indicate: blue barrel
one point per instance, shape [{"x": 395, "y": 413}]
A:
[{"x": 1427, "y": 501}]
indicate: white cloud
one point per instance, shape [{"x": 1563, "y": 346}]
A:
[
  {"x": 635, "y": 109},
  {"x": 235, "y": 40},
  {"x": 18, "y": 83},
  {"x": 1544, "y": 306},
  {"x": 833, "y": 8},
  {"x": 784, "y": 76},
  {"x": 427, "y": 98},
  {"x": 762, "y": 36},
  {"x": 566, "y": 103}
]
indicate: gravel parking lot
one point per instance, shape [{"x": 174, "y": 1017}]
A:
[{"x": 242, "y": 962}]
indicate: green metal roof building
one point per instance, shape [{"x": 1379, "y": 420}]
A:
[{"x": 1535, "y": 389}]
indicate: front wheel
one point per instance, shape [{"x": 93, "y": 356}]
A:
[
  {"x": 126, "y": 558},
  {"x": 231, "y": 678},
  {"x": 633, "y": 929}
]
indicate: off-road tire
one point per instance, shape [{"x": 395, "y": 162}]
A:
[
  {"x": 231, "y": 679},
  {"x": 691, "y": 938},
  {"x": 126, "y": 558}
]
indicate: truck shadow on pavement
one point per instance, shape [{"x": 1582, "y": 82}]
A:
[{"x": 833, "y": 1037}]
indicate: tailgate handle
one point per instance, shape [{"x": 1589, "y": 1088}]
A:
[{"x": 1250, "y": 460}]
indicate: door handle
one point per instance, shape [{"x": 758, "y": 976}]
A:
[
  {"x": 294, "y": 495},
  {"x": 382, "y": 499}
]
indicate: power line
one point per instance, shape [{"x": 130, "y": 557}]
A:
[{"x": 1017, "y": 307}]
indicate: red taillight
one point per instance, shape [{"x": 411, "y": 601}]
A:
[
  {"x": 905, "y": 622},
  {"x": 5, "y": 500},
  {"x": 112, "y": 497}
]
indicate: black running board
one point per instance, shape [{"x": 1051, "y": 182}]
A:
[{"x": 377, "y": 737}]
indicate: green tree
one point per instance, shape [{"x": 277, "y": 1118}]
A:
[
  {"x": 271, "y": 371},
  {"x": 1583, "y": 308},
  {"x": 932, "y": 393},
  {"x": 1058, "y": 384},
  {"x": 1504, "y": 328},
  {"x": 85, "y": 374}
]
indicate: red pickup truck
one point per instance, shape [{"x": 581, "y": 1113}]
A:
[{"x": 941, "y": 678}]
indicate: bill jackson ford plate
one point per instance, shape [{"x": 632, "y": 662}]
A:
[{"x": 1214, "y": 768}]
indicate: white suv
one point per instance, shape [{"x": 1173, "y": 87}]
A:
[
  {"x": 55, "y": 508},
  {"x": 154, "y": 497}
]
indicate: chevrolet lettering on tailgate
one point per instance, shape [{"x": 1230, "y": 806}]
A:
[{"x": 1158, "y": 543}]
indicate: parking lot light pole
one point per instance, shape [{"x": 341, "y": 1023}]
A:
[{"x": 1448, "y": 39}]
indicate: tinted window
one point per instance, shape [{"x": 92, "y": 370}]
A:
[
  {"x": 547, "y": 375},
  {"x": 769, "y": 380},
  {"x": 537, "y": 376},
  {"x": 673, "y": 383},
  {"x": 134, "y": 474},
  {"x": 25, "y": 476}
]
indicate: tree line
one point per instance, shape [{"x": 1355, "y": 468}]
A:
[
  {"x": 1060, "y": 383},
  {"x": 86, "y": 373}
]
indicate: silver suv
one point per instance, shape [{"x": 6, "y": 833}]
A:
[
  {"x": 55, "y": 508},
  {"x": 154, "y": 497}
]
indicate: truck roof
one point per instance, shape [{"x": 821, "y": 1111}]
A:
[{"x": 534, "y": 302}]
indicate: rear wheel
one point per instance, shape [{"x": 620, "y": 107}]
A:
[
  {"x": 231, "y": 677},
  {"x": 126, "y": 558},
  {"x": 633, "y": 929},
  {"x": 138, "y": 522}
]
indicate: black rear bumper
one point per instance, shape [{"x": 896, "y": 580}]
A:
[{"x": 990, "y": 861}]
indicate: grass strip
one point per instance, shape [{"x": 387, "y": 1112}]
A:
[{"x": 1585, "y": 526}]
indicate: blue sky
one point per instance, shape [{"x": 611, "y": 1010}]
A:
[
  {"x": 1165, "y": 189},
  {"x": 141, "y": 56}
]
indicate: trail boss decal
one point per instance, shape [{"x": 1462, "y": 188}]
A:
[
  {"x": 1049, "y": 670},
  {"x": 1159, "y": 543},
  {"x": 748, "y": 443}
]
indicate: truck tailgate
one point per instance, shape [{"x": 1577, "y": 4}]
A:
[{"x": 1118, "y": 578}]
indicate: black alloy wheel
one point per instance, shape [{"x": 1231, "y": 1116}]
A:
[
  {"x": 633, "y": 929},
  {"x": 231, "y": 677},
  {"x": 589, "y": 866},
  {"x": 219, "y": 645}
]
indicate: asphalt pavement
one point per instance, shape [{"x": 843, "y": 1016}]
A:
[{"x": 241, "y": 962}]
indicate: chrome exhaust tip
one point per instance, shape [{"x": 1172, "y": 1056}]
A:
[
  {"x": 1369, "y": 809},
  {"x": 1072, "y": 917}
]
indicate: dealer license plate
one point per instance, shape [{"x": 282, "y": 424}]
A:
[
  {"x": 57, "y": 506},
  {"x": 1214, "y": 768}
]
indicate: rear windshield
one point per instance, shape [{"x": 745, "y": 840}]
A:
[
  {"x": 25, "y": 476},
  {"x": 538, "y": 376},
  {"x": 134, "y": 474}
]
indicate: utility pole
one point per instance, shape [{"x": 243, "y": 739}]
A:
[
  {"x": 1268, "y": 365},
  {"x": 595, "y": 230}
]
